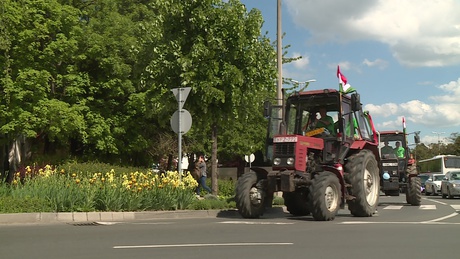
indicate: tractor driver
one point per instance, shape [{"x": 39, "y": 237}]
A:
[
  {"x": 325, "y": 121},
  {"x": 387, "y": 150}
]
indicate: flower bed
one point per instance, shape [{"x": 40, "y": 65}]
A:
[{"x": 49, "y": 189}]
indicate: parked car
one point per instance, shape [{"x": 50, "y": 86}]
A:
[
  {"x": 450, "y": 184},
  {"x": 433, "y": 184},
  {"x": 423, "y": 179}
]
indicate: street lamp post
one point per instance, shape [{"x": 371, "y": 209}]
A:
[
  {"x": 439, "y": 142},
  {"x": 298, "y": 84},
  {"x": 417, "y": 141},
  {"x": 279, "y": 60}
]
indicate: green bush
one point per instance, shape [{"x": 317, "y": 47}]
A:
[
  {"x": 84, "y": 187},
  {"x": 9, "y": 204},
  {"x": 209, "y": 203},
  {"x": 90, "y": 168},
  {"x": 278, "y": 201}
]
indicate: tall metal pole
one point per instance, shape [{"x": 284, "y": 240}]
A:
[
  {"x": 179, "y": 161},
  {"x": 439, "y": 142},
  {"x": 279, "y": 55}
]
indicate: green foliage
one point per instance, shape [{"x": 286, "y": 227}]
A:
[
  {"x": 94, "y": 79},
  {"x": 61, "y": 191},
  {"x": 226, "y": 188},
  {"x": 278, "y": 201},
  {"x": 90, "y": 168},
  {"x": 210, "y": 203},
  {"x": 9, "y": 204}
]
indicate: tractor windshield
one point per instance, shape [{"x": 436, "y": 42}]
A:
[{"x": 306, "y": 113}]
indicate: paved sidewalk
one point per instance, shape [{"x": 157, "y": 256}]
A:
[{"x": 75, "y": 217}]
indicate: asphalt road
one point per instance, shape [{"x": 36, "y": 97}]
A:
[{"x": 397, "y": 231}]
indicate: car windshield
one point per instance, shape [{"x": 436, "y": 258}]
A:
[
  {"x": 438, "y": 177},
  {"x": 423, "y": 178}
]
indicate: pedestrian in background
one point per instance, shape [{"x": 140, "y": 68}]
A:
[{"x": 201, "y": 166}]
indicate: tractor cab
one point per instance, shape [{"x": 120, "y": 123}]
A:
[{"x": 340, "y": 125}]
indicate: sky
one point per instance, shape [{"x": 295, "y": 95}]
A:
[{"x": 403, "y": 57}]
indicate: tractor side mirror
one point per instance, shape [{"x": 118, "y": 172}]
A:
[
  {"x": 355, "y": 102},
  {"x": 267, "y": 108}
]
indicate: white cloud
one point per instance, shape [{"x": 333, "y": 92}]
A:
[
  {"x": 301, "y": 63},
  {"x": 442, "y": 113},
  {"x": 380, "y": 63},
  {"x": 418, "y": 32}
]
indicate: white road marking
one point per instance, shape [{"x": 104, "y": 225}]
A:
[
  {"x": 392, "y": 207},
  {"x": 442, "y": 218},
  {"x": 152, "y": 223},
  {"x": 400, "y": 222},
  {"x": 456, "y": 207},
  {"x": 440, "y": 202},
  {"x": 256, "y": 223},
  {"x": 427, "y": 207},
  {"x": 202, "y": 245}
]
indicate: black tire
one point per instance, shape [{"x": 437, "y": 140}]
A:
[
  {"x": 297, "y": 202},
  {"x": 427, "y": 193},
  {"x": 449, "y": 195},
  {"x": 414, "y": 191},
  {"x": 442, "y": 194},
  {"x": 249, "y": 197},
  {"x": 325, "y": 196},
  {"x": 363, "y": 175}
]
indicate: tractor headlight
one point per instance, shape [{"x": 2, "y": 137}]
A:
[
  {"x": 290, "y": 161},
  {"x": 277, "y": 161}
]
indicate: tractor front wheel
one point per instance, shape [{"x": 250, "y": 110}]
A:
[
  {"x": 325, "y": 196},
  {"x": 249, "y": 196},
  {"x": 414, "y": 191},
  {"x": 363, "y": 175}
]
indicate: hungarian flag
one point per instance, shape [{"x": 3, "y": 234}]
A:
[{"x": 343, "y": 86}]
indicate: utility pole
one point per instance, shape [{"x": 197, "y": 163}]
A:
[
  {"x": 439, "y": 141},
  {"x": 279, "y": 53}
]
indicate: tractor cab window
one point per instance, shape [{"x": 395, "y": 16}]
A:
[
  {"x": 364, "y": 130},
  {"x": 312, "y": 117},
  {"x": 387, "y": 145}
]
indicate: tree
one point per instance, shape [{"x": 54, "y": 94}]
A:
[
  {"x": 216, "y": 49},
  {"x": 94, "y": 78}
]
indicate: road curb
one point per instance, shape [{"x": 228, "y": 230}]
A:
[{"x": 75, "y": 217}]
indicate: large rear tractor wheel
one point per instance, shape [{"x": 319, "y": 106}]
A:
[
  {"x": 414, "y": 191},
  {"x": 325, "y": 196},
  {"x": 296, "y": 202},
  {"x": 365, "y": 183},
  {"x": 249, "y": 196}
]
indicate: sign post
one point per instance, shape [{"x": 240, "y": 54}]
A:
[{"x": 181, "y": 121}]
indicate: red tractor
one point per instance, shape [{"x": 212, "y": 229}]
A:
[{"x": 318, "y": 169}]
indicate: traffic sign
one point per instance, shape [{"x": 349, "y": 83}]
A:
[
  {"x": 250, "y": 158},
  {"x": 183, "y": 95},
  {"x": 185, "y": 121}
]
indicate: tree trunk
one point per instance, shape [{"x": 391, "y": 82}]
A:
[{"x": 214, "y": 185}]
